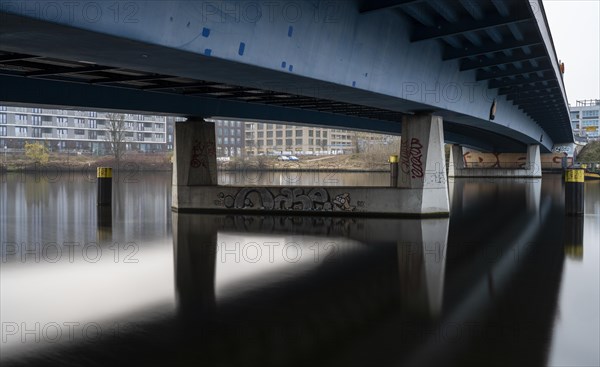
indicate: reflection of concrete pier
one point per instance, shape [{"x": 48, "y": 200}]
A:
[
  {"x": 421, "y": 263},
  {"x": 338, "y": 294}
]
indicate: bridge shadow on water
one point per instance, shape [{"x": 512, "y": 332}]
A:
[{"x": 479, "y": 288}]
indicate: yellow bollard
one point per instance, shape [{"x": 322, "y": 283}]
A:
[
  {"x": 104, "y": 175},
  {"x": 393, "y": 170},
  {"x": 574, "y": 191}
]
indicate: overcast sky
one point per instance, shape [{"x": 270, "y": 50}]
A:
[{"x": 575, "y": 27}]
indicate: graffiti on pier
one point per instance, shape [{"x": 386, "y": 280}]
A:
[
  {"x": 412, "y": 158},
  {"x": 298, "y": 198},
  {"x": 201, "y": 153}
]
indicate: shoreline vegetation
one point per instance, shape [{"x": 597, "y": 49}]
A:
[
  {"x": 157, "y": 162},
  {"x": 161, "y": 162}
]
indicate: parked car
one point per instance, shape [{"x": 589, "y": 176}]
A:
[
  {"x": 283, "y": 158},
  {"x": 293, "y": 158}
]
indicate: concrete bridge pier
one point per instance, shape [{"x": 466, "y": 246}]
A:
[
  {"x": 532, "y": 167},
  {"x": 423, "y": 162},
  {"x": 194, "y": 158}
]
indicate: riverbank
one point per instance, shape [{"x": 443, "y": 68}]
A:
[
  {"x": 162, "y": 162},
  {"x": 333, "y": 163},
  {"x": 73, "y": 162}
]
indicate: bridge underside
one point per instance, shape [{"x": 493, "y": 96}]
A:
[{"x": 105, "y": 72}]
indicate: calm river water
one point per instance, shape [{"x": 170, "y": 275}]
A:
[{"x": 506, "y": 280}]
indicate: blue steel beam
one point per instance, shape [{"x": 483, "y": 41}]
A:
[
  {"x": 485, "y": 62},
  {"x": 451, "y": 53},
  {"x": 354, "y": 64},
  {"x": 445, "y": 29},
  {"x": 532, "y": 78},
  {"x": 371, "y": 6},
  {"x": 542, "y": 66}
]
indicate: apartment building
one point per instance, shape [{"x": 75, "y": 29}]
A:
[
  {"x": 229, "y": 137},
  {"x": 268, "y": 138},
  {"x": 70, "y": 130},
  {"x": 585, "y": 118}
]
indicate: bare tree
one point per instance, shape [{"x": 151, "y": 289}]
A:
[{"x": 115, "y": 135}]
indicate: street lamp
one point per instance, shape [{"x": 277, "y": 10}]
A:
[{"x": 5, "y": 149}]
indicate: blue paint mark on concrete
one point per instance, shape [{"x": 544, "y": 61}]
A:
[
  {"x": 283, "y": 64},
  {"x": 242, "y": 48},
  {"x": 366, "y": 75},
  {"x": 205, "y": 32},
  {"x": 354, "y": 84},
  {"x": 290, "y": 31},
  {"x": 291, "y": 68},
  {"x": 207, "y": 51}
]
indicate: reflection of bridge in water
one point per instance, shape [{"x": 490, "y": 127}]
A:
[{"x": 396, "y": 290}]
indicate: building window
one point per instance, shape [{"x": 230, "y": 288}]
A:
[
  {"x": 279, "y": 134},
  {"x": 269, "y": 142},
  {"x": 2, "y": 118},
  {"x": 299, "y": 141},
  {"x": 61, "y": 132},
  {"x": 299, "y": 133},
  {"x": 226, "y": 140},
  {"x": 310, "y": 133},
  {"x": 36, "y": 110},
  {"x": 21, "y": 118},
  {"x": 79, "y": 132},
  {"x": 36, "y": 120},
  {"x": 261, "y": 134},
  {"x": 61, "y": 121},
  {"x": 2, "y": 130},
  {"x": 79, "y": 122},
  {"x": 3, "y": 108},
  {"x": 280, "y": 142},
  {"x": 93, "y": 124},
  {"x": 594, "y": 113},
  {"x": 20, "y": 131},
  {"x": 289, "y": 142},
  {"x": 288, "y": 133}
]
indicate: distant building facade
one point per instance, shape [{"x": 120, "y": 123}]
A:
[
  {"x": 585, "y": 118},
  {"x": 229, "y": 137},
  {"x": 268, "y": 138},
  {"x": 86, "y": 131},
  {"x": 70, "y": 130}
]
